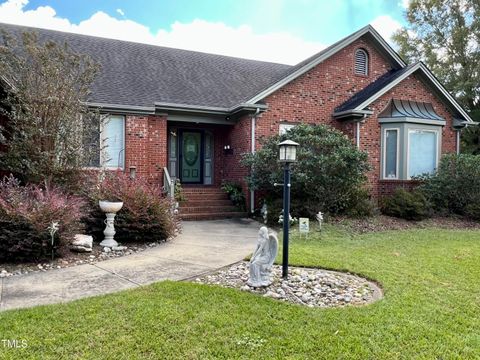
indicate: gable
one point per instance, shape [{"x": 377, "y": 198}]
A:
[
  {"x": 368, "y": 33},
  {"x": 361, "y": 100}
]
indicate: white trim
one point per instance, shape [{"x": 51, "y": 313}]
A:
[
  {"x": 102, "y": 139},
  {"x": 357, "y": 135},
  {"x": 430, "y": 76},
  {"x": 322, "y": 56},
  {"x": 437, "y": 147},
  {"x": 384, "y": 154}
]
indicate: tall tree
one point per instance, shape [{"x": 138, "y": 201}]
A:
[
  {"x": 45, "y": 86},
  {"x": 445, "y": 34}
]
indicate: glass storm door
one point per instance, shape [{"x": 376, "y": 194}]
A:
[{"x": 191, "y": 164}]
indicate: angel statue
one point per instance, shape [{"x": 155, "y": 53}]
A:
[{"x": 263, "y": 258}]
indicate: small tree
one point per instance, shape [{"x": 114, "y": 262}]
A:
[
  {"x": 328, "y": 176},
  {"x": 45, "y": 87}
]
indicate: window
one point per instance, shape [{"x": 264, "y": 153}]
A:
[
  {"x": 391, "y": 154},
  {"x": 283, "y": 128},
  {"x": 422, "y": 152},
  {"x": 409, "y": 150},
  {"x": 113, "y": 142},
  {"x": 361, "y": 62}
]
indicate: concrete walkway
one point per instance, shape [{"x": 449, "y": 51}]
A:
[{"x": 202, "y": 247}]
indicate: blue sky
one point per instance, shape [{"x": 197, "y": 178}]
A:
[{"x": 273, "y": 30}]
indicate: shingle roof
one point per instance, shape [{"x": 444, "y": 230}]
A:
[
  {"x": 139, "y": 74},
  {"x": 372, "y": 89}
]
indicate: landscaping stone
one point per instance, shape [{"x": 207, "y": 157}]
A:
[
  {"x": 305, "y": 286},
  {"x": 82, "y": 243}
]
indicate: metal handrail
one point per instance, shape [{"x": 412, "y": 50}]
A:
[{"x": 168, "y": 184}]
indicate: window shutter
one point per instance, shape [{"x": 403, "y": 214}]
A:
[{"x": 361, "y": 62}]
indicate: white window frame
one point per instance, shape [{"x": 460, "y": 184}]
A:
[
  {"x": 287, "y": 125},
  {"x": 384, "y": 155},
  {"x": 102, "y": 142},
  {"x": 437, "y": 147}
]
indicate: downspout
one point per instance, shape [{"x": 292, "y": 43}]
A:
[
  {"x": 253, "y": 124},
  {"x": 358, "y": 130},
  {"x": 358, "y": 135}
]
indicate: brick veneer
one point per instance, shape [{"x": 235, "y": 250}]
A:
[{"x": 146, "y": 144}]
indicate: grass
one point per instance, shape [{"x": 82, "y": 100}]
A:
[{"x": 431, "y": 310}]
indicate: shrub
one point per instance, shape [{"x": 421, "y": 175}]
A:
[
  {"x": 26, "y": 212},
  {"x": 328, "y": 175},
  {"x": 146, "y": 214},
  {"x": 406, "y": 205},
  {"x": 235, "y": 193},
  {"x": 455, "y": 187}
]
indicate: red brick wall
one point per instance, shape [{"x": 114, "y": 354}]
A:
[
  {"x": 312, "y": 97},
  {"x": 239, "y": 139},
  {"x": 146, "y": 145}
]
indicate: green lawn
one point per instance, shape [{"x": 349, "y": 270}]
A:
[{"x": 431, "y": 310}]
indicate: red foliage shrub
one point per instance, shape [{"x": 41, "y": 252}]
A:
[
  {"x": 31, "y": 209},
  {"x": 146, "y": 213}
]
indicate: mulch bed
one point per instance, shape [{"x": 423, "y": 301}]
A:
[{"x": 384, "y": 223}]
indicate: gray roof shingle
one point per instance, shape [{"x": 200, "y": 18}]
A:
[
  {"x": 371, "y": 89},
  {"x": 140, "y": 75}
]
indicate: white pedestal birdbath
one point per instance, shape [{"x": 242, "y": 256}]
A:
[{"x": 110, "y": 209}]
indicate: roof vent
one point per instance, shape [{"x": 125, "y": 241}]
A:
[{"x": 361, "y": 62}]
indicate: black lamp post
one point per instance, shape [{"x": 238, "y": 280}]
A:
[{"x": 288, "y": 155}]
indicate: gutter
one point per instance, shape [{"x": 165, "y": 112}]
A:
[{"x": 352, "y": 113}]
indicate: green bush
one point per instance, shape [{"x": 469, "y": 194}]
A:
[
  {"x": 329, "y": 174},
  {"x": 146, "y": 214},
  {"x": 235, "y": 193},
  {"x": 406, "y": 205},
  {"x": 455, "y": 187},
  {"x": 26, "y": 212}
]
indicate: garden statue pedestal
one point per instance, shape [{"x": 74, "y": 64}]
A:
[{"x": 110, "y": 209}]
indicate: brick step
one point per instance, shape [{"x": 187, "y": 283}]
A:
[
  {"x": 207, "y": 209},
  {"x": 212, "y": 216},
  {"x": 205, "y": 202},
  {"x": 202, "y": 190},
  {"x": 206, "y": 196}
]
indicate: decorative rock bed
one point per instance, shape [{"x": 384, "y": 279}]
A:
[
  {"x": 305, "y": 286},
  {"x": 97, "y": 254}
]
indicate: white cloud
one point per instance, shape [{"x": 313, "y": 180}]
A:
[
  {"x": 120, "y": 11},
  {"x": 386, "y": 26},
  {"x": 199, "y": 35},
  {"x": 404, "y": 3}
]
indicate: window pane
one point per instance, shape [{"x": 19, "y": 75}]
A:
[
  {"x": 283, "y": 128},
  {"x": 114, "y": 141},
  {"x": 422, "y": 152},
  {"x": 391, "y": 154}
]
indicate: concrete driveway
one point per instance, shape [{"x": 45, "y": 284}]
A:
[{"x": 202, "y": 247}]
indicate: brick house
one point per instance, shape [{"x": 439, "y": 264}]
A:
[{"x": 192, "y": 115}]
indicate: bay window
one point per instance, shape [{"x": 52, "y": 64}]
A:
[{"x": 409, "y": 150}]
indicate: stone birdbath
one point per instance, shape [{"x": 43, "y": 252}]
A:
[{"x": 110, "y": 208}]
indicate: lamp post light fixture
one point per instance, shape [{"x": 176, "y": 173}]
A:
[{"x": 288, "y": 155}]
